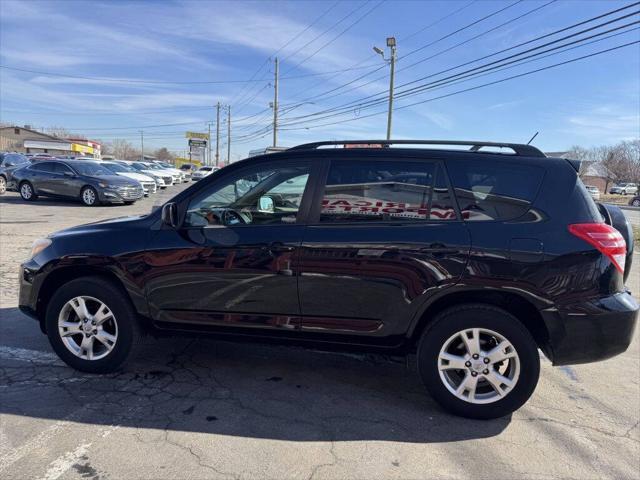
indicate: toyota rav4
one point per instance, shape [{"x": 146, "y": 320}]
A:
[{"x": 472, "y": 255}]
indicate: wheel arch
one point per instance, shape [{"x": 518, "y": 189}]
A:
[
  {"x": 511, "y": 302},
  {"x": 65, "y": 274}
]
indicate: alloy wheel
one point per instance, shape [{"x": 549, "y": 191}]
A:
[
  {"x": 88, "y": 328},
  {"x": 89, "y": 196},
  {"x": 636, "y": 203},
  {"x": 26, "y": 191},
  {"x": 3, "y": 186},
  {"x": 478, "y": 365}
]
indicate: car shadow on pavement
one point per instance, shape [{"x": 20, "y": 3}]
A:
[
  {"x": 222, "y": 388},
  {"x": 51, "y": 202}
]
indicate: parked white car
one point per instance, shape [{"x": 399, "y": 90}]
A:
[
  {"x": 184, "y": 176},
  {"x": 624, "y": 189},
  {"x": 176, "y": 174},
  {"x": 203, "y": 172},
  {"x": 593, "y": 191},
  {"x": 148, "y": 183},
  {"x": 163, "y": 179}
]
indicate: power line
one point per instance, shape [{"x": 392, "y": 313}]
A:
[
  {"x": 502, "y": 80},
  {"x": 323, "y": 94},
  {"x": 360, "y": 103},
  {"x": 342, "y": 32}
]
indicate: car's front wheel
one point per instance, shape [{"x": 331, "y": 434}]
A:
[
  {"x": 92, "y": 326},
  {"x": 89, "y": 196},
  {"x": 478, "y": 361},
  {"x": 3, "y": 185},
  {"x": 636, "y": 202}
]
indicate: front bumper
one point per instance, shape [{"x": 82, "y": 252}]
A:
[
  {"x": 29, "y": 286},
  {"x": 591, "y": 330},
  {"x": 121, "y": 194}
]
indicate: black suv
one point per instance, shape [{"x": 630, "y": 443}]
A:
[{"x": 472, "y": 259}]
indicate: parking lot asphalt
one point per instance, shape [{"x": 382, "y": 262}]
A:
[{"x": 198, "y": 408}]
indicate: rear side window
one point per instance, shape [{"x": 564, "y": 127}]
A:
[
  {"x": 494, "y": 191},
  {"x": 394, "y": 191},
  {"x": 44, "y": 167}
]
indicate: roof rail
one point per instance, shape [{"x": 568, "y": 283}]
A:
[{"x": 518, "y": 148}]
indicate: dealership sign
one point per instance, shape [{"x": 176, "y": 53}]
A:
[{"x": 352, "y": 205}]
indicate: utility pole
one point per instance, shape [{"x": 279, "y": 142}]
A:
[
  {"x": 391, "y": 43},
  {"x": 142, "y": 145},
  {"x": 208, "y": 161},
  {"x": 217, "y": 133},
  {"x": 275, "y": 106},
  {"x": 228, "y": 134}
]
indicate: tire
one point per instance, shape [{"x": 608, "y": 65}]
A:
[
  {"x": 27, "y": 192},
  {"x": 522, "y": 370},
  {"x": 89, "y": 197},
  {"x": 636, "y": 202},
  {"x": 122, "y": 325},
  {"x": 3, "y": 185}
]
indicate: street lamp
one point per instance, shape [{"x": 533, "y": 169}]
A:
[{"x": 391, "y": 43}]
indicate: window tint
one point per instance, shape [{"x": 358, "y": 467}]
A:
[
  {"x": 15, "y": 159},
  {"x": 61, "y": 168},
  {"x": 360, "y": 191},
  {"x": 260, "y": 196},
  {"x": 494, "y": 191},
  {"x": 44, "y": 167}
]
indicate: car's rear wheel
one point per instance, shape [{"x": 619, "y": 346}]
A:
[
  {"x": 27, "y": 192},
  {"x": 636, "y": 202},
  {"x": 92, "y": 325},
  {"x": 89, "y": 196},
  {"x": 478, "y": 361},
  {"x": 3, "y": 185}
]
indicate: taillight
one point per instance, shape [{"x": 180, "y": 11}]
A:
[{"x": 605, "y": 238}]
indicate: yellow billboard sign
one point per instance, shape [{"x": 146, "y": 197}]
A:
[
  {"x": 77, "y": 147},
  {"x": 203, "y": 136}
]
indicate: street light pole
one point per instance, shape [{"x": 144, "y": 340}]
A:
[
  {"x": 217, "y": 133},
  {"x": 229, "y": 135},
  {"x": 208, "y": 159},
  {"x": 391, "y": 43},
  {"x": 275, "y": 107},
  {"x": 142, "y": 145}
]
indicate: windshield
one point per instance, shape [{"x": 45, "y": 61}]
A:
[
  {"x": 116, "y": 167},
  {"x": 91, "y": 169}
]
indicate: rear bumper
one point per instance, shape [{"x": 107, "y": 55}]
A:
[{"x": 592, "y": 330}]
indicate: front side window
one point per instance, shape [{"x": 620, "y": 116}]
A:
[
  {"x": 264, "y": 195},
  {"x": 394, "y": 191},
  {"x": 494, "y": 190}
]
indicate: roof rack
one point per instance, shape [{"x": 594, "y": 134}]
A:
[{"x": 518, "y": 148}]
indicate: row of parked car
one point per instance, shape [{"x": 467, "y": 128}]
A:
[
  {"x": 620, "y": 189},
  {"x": 90, "y": 180}
]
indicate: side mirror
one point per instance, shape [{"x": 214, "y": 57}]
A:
[
  {"x": 170, "y": 214},
  {"x": 265, "y": 204}
]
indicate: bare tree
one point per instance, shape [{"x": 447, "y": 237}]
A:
[
  {"x": 123, "y": 149},
  {"x": 163, "y": 154}
]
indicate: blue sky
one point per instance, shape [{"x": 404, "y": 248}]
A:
[{"x": 118, "y": 46}]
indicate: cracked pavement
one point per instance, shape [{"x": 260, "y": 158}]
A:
[{"x": 198, "y": 408}]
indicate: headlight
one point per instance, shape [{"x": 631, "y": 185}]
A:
[{"x": 39, "y": 245}]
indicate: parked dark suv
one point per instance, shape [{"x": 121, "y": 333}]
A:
[
  {"x": 87, "y": 181},
  {"x": 472, "y": 259}
]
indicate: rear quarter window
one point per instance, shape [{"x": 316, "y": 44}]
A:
[{"x": 494, "y": 190}]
